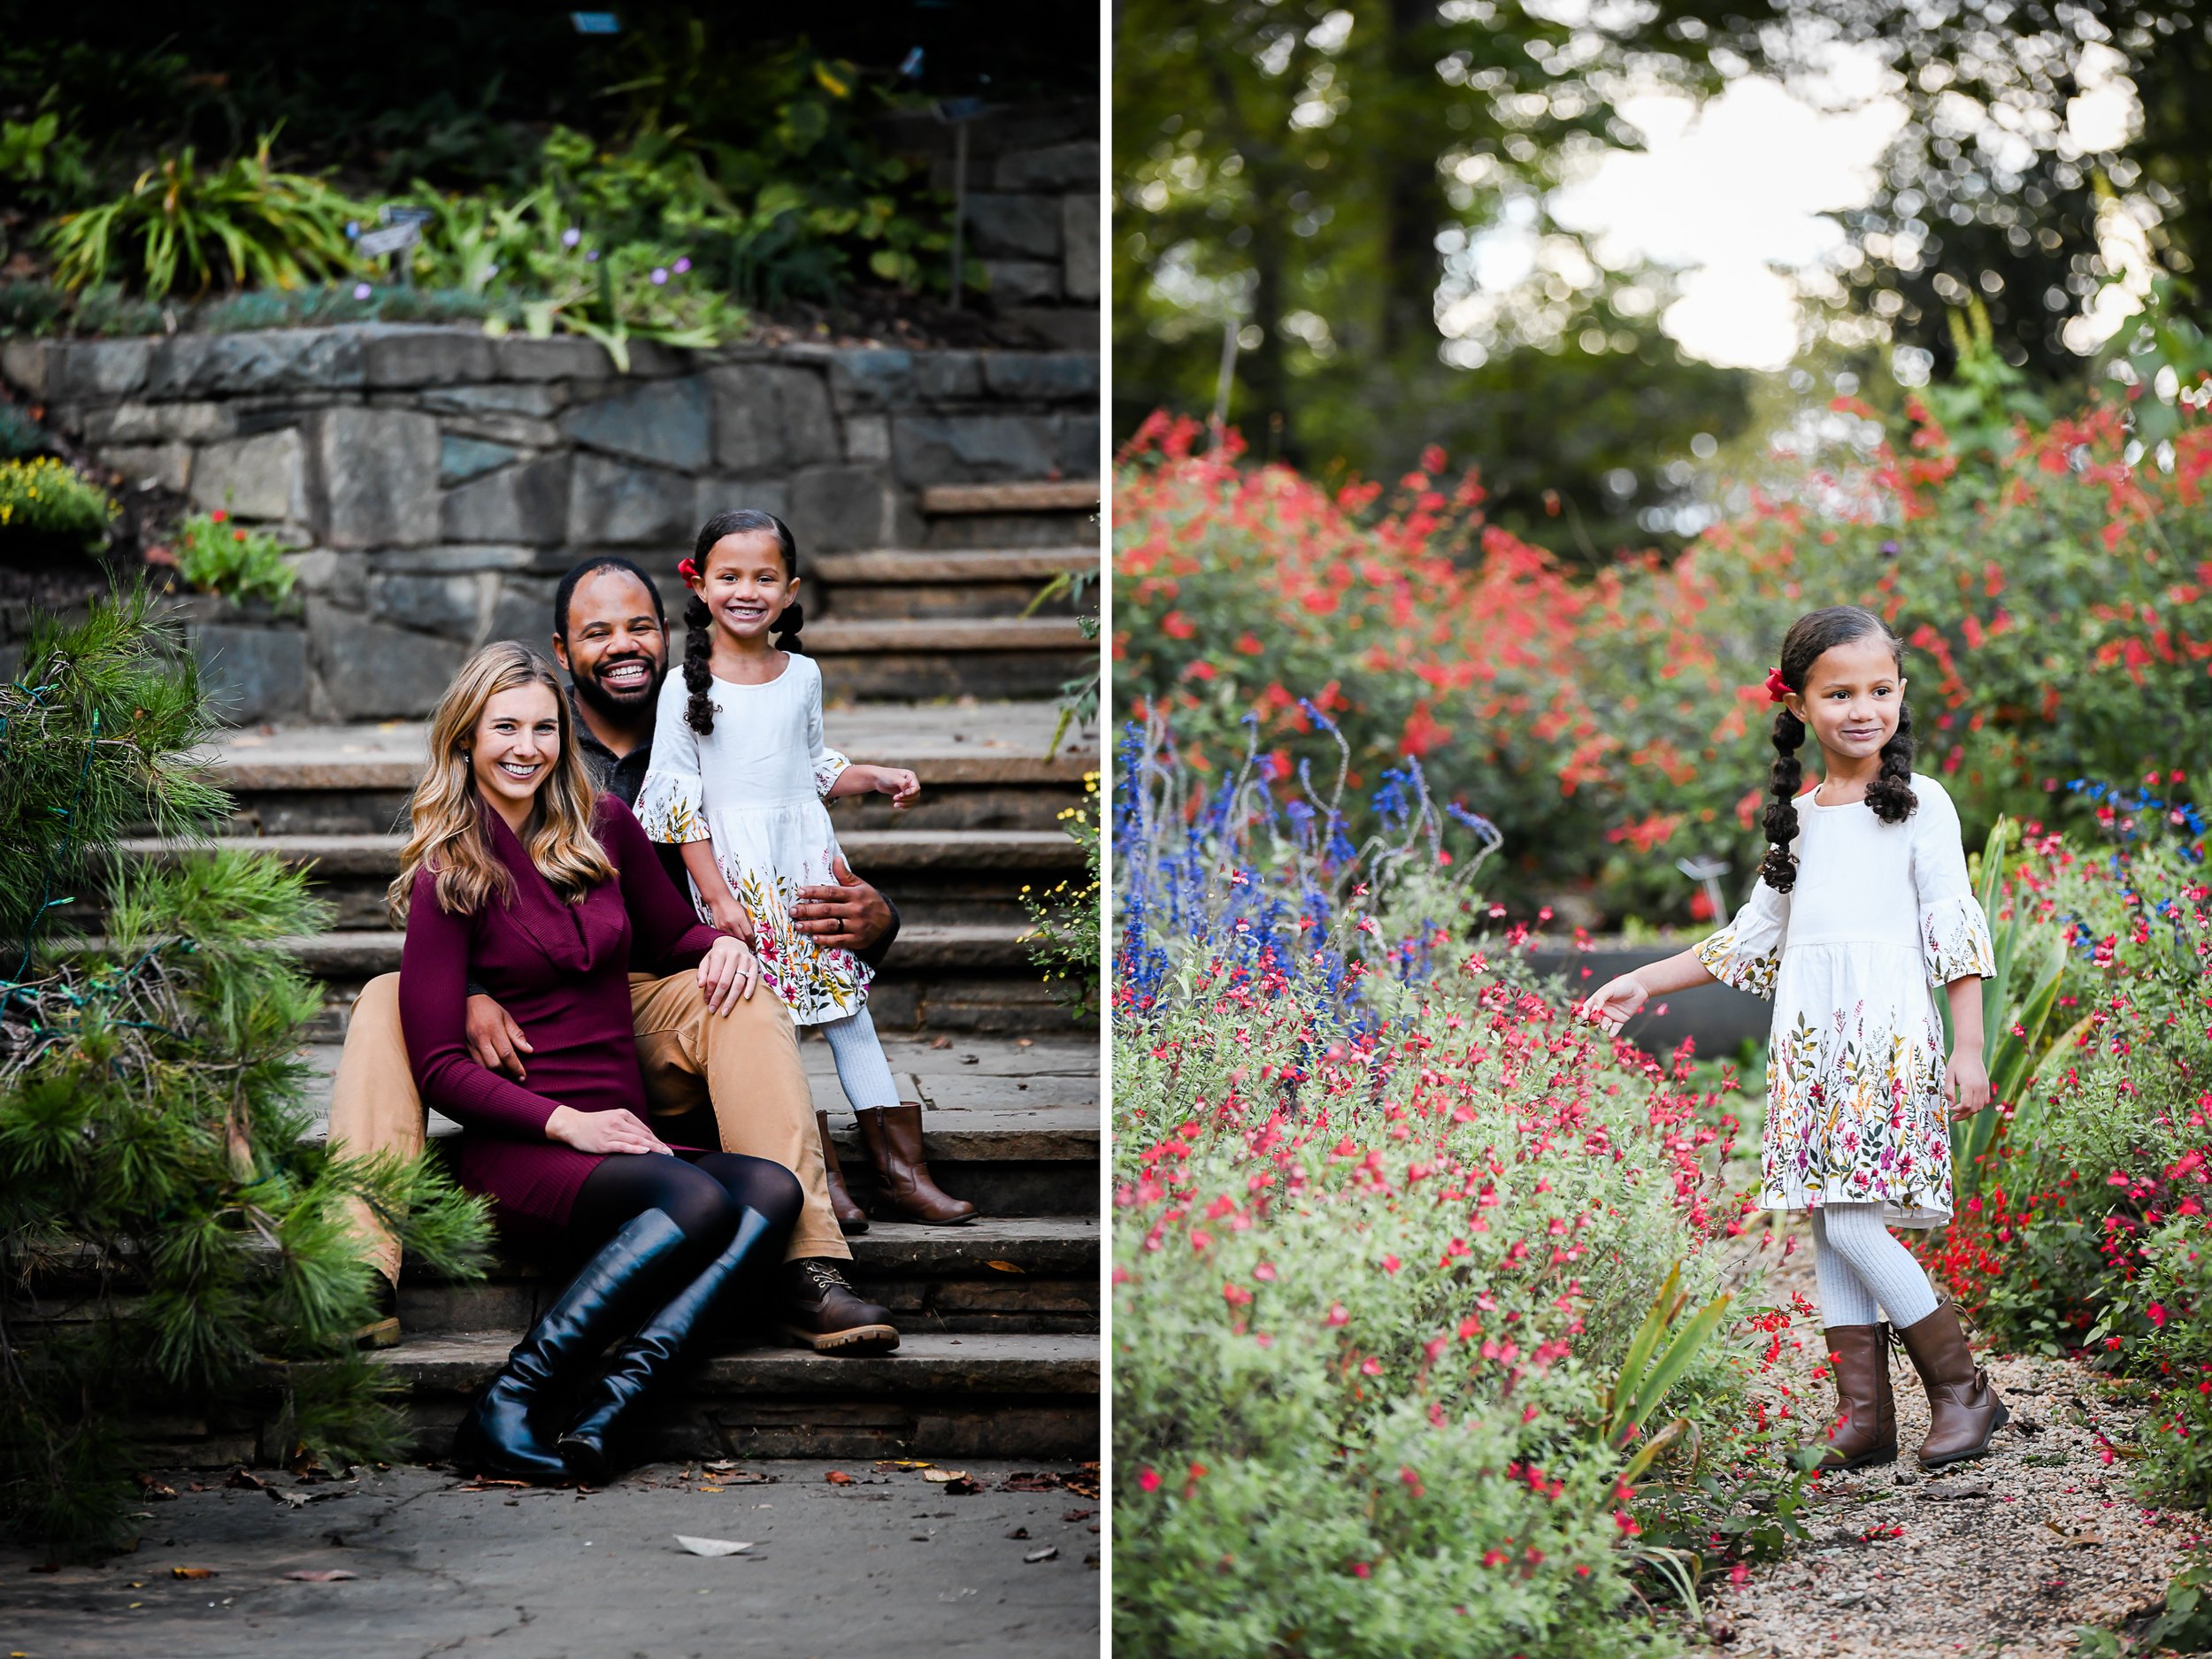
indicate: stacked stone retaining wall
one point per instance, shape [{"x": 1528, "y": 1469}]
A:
[{"x": 434, "y": 482}]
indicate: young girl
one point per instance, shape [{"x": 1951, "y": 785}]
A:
[
  {"x": 738, "y": 778},
  {"x": 1862, "y": 909}
]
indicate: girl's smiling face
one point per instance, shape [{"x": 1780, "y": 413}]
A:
[
  {"x": 744, "y": 583},
  {"x": 1853, "y": 695}
]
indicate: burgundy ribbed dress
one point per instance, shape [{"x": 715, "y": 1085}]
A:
[{"x": 562, "y": 972}]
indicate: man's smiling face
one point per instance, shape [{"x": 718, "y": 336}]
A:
[{"x": 616, "y": 650}]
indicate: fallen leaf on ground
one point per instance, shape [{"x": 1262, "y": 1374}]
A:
[
  {"x": 711, "y": 1546},
  {"x": 1078, "y": 1515},
  {"x": 153, "y": 1490},
  {"x": 321, "y": 1575},
  {"x": 301, "y": 1500},
  {"x": 246, "y": 1478},
  {"x": 906, "y": 1463},
  {"x": 1019, "y": 1531},
  {"x": 837, "y": 1478},
  {"x": 1006, "y": 1267},
  {"x": 191, "y": 1572},
  {"x": 938, "y": 1476},
  {"x": 963, "y": 1487},
  {"x": 1049, "y": 1552},
  {"x": 1029, "y": 1480},
  {"x": 942, "y": 1043}
]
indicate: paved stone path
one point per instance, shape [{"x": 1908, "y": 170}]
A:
[{"x": 892, "y": 1562}]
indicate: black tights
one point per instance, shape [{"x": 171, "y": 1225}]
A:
[{"x": 704, "y": 1196}]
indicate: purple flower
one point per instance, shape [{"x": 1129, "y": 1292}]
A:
[
  {"x": 361, "y": 290},
  {"x": 1890, "y": 549},
  {"x": 660, "y": 275},
  {"x": 591, "y": 255},
  {"x": 571, "y": 236},
  {"x": 683, "y": 264}
]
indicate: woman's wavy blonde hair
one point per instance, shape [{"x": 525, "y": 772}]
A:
[{"x": 448, "y": 834}]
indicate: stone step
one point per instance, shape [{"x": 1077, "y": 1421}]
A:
[
  {"x": 1010, "y": 1124},
  {"x": 923, "y": 582},
  {"x": 904, "y": 658},
  {"x": 1036, "y": 513},
  {"x": 941, "y": 1395},
  {"x": 997, "y": 1273},
  {"x": 941, "y": 876},
  {"x": 983, "y": 765}
]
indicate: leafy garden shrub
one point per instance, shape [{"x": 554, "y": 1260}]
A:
[
  {"x": 42, "y": 503},
  {"x": 1068, "y": 916},
  {"x": 2052, "y": 581},
  {"x": 1421, "y": 1338},
  {"x": 243, "y": 224},
  {"x": 2092, "y": 1209},
  {"x": 214, "y": 555}
]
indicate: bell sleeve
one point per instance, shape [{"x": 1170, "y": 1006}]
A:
[
  {"x": 1955, "y": 941},
  {"x": 827, "y": 762},
  {"x": 672, "y": 803},
  {"x": 1748, "y": 953}
]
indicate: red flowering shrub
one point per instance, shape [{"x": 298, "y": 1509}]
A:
[
  {"x": 1386, "y": 1226},
  {"x": 2057, "y": 600}
]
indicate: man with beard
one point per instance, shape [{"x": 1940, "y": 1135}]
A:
[{"x": 611, "y": 634}]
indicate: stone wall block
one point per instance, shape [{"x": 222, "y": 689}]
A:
[
  {"x": 399, "y": 355},
  {"x": 523, "y": 610},
  {"x": 252, "y": 674},
  {"x": 262, "y": 476},
  {"x": 970, "y": 449},
  {"x": 616, "y": 504},
  {"x": 460, "y": 459},
  {"x": 371, "y": 670},
  {"x": 375, "y": 478},
  {"x": 457, "y": 560},
  {"x": 159, "y": 466},
  {"x": 1041, "y": 376},
  {"x": 1080, "y": 267},
  {"x": 326, "y": 573},
  {"x": 273, "y": 360},
  {"x": 1053, "y": 167},
  {"x": 557, "y": 358},
  {"x": 1023, "y": 282},
  {"x": 1076, "y": 445},
  {"x": 871, "y": 378},
  {"x": 95, "y": 371},
  {"x": 1015, "y": 226},
  {"x": 868, "y": 438},
  {"x": 726, "y": 494},
  {"x": 535, "y": 398},
  {"x": 665, "y": 422},
  {"x": 840, "y": 509},
  {"x": 158, "y": 423},
  {"x": 526, "y": 503},
  {"x": 23, "y": 361},
  {"x": 769, "y": 418},
  {"x": 449, "y": 605}
]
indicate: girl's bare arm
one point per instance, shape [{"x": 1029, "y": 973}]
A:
[{"x": 728, "y": 910}]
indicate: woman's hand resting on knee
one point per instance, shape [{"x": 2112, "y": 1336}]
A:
[
  {"x": 601, "y": 1132},
  {"x": 728, "y": 972}
]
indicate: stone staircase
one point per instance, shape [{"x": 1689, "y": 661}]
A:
[{"x": 932, "y": 664}]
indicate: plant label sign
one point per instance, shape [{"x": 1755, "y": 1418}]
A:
[{"x": 388, "y": 239}]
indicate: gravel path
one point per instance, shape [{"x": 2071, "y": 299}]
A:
[{"x": 2009, "y": 1555}]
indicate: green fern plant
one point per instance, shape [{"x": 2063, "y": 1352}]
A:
[{"x": 244, "y": 223}]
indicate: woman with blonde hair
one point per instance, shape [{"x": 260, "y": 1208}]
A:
[{"x": 517, "y": 878}]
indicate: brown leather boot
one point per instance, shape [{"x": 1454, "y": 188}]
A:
[
  {"x": 382, "y": 1330},
  {"x": 893, "y": 1135},
  {"x": 823, "y": 1312},
  {"x": 1868, "y": 1433},
  {"x": 1964, "y": 1410},
  {"x": 851, "y": 1217}
]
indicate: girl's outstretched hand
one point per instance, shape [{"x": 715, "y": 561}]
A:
[
  {"x": 1966, "y": 1084},
  {"x": 902, "y": 786},
  {"x": 1615, "y": 1004}
]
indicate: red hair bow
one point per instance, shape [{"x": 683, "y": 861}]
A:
[
  {"x": 1778, "y": 687},
  {"x": 688, "y": 570}
]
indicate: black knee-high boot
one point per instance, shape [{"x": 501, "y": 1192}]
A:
[
  {"x": 643, "y": 1364},
  {"x": 606, "y": 1298}
]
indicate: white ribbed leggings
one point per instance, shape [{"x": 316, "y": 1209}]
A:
[
  {"x": 861, "y": 1067},
  {"x": 1859, "y": 1263}
]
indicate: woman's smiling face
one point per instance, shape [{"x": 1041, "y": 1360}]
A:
[
  {"x": 516, "y": 739},
  {"x": 1853, "y": 695}
]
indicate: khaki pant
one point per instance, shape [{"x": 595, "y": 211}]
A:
[{"x": 745, "y": 1064}]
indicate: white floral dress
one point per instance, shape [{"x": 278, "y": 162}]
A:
[
  {"x": 754, "y": 786},
  {"x": 1881, "y": 917}
]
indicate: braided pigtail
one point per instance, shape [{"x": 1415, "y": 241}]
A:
[
  {"x": 1779, "y": 870},
  {"x": 1890, "y": 794},
  {"x": 787, "y": 627},
  {"x": 698, "y": 646}
]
